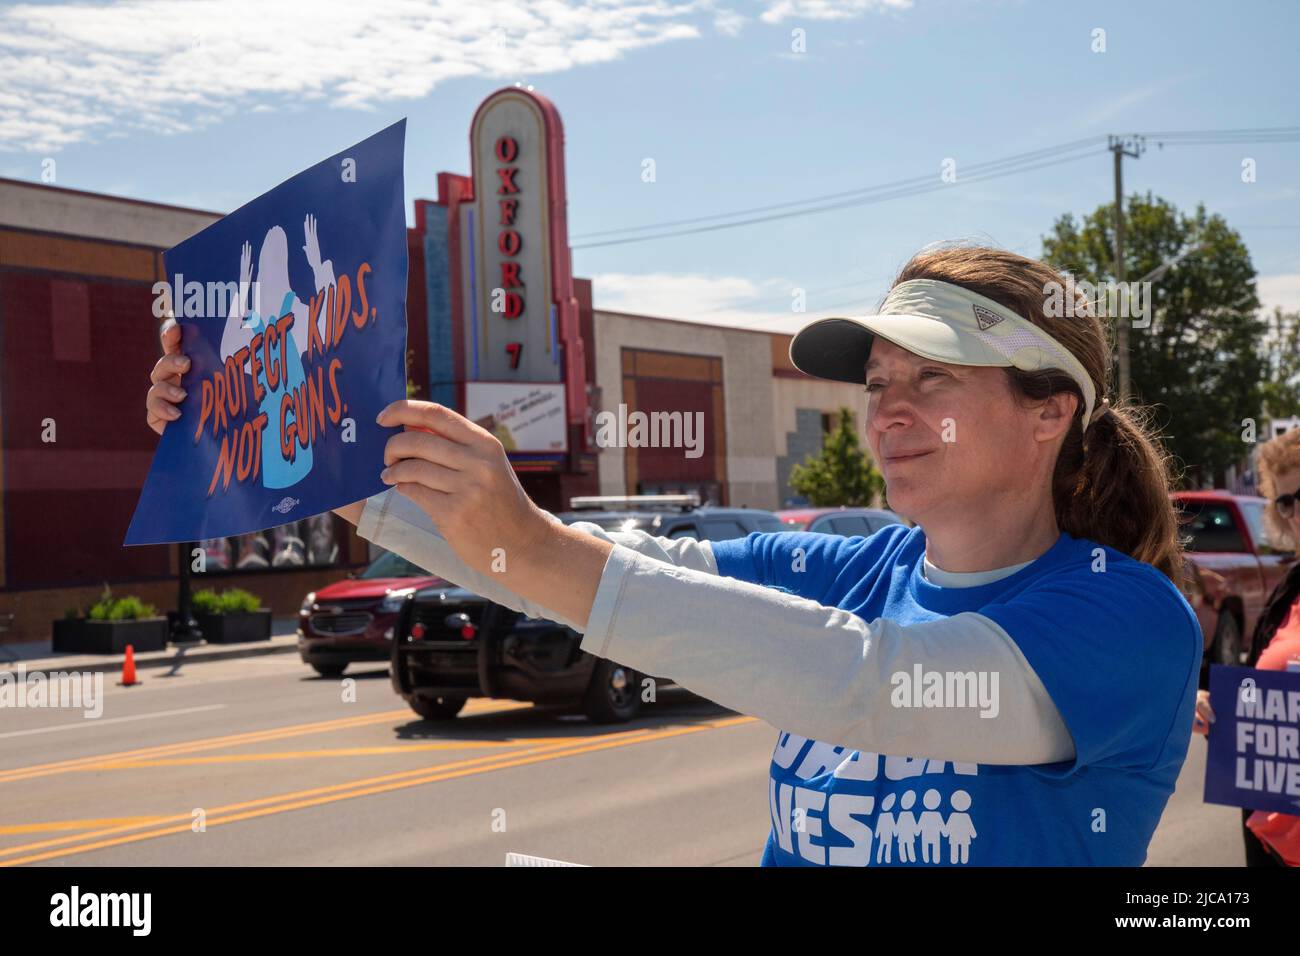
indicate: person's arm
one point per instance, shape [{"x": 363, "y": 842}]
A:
[
  {"x": 744, "y": 645},
  {"x": 395, "y": 523},
  {"x": 779, "y": 657},
  {"x": 823, "y": 672}
]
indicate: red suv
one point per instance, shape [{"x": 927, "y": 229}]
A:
[
  {"x": 351, "y": 621},
  {"x": 1232, "y": 567}
]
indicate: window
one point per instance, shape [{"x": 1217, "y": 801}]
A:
[
  {"x": 1254, "y": 512},
  {"x": 1211, "y": 528},
  {"x": 392, "y": 565},
  {"x": 876, "y": 522},
  {"x": 767, "y": 523},
  {"x": 685, "y": 531},
  {"x": 306, "y": 543},
  {"x": 721, "y": 529},
  {"x": 850, "y": 525}
]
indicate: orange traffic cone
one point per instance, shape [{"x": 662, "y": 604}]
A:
[{"x": 128, "y": 667}]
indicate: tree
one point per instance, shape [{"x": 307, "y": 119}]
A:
[
  {"x": 1282, "y": 361},
  {"x": 842, "y": 474},
  {"x": 1201, "y": 360}
]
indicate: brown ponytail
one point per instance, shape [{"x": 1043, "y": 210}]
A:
[{"x": 1112, "y": 481}]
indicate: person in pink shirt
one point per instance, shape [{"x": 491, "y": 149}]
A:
[{"x": 1273, "y": 839}]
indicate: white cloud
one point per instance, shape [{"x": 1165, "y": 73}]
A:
[
  {"x": 73, "y": 72},
  {"x": 77, "y": 72},
  {"x": 729, "y": 22},
  {"x": 1279, "y": 290},
  {"x": 1116, "y": 105},
  {"x": 779, "y": 10}
]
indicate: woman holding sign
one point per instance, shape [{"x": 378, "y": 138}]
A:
[
  {"x": 1271, "y": 838},
  {"x": 1010, "y": 682}
]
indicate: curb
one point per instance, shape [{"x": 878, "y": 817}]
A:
[{"x": 176, "y": 656}]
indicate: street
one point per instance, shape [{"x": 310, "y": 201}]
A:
[{"x": 257, "y": 761}]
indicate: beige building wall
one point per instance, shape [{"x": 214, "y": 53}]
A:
[
  {"x": 71, "y": 212},
  {"x": 791, "y": 394},
  {"x": 747, "y": 391}
]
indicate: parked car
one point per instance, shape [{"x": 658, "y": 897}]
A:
[
  {"x": 1232, "y": 567},
  {"x": 351, "y": 621},
  {"x": 842, "y": 520},
  {"x": 450, "y": 645},
  {"x": 670, "y": 516}
]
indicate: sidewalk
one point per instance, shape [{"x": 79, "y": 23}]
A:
[{"x": 39, "y": 656}]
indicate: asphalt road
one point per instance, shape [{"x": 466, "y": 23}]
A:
[{"x": 260, "y": 762}]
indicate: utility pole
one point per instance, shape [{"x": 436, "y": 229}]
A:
[{"x": 1122, "y": 146}]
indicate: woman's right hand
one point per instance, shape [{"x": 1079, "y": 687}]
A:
[
  {"x": 166, "y": 391},
  {"x": 1204, "y": 713}
]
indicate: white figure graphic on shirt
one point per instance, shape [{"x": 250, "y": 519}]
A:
[
  {"x": 960, "y": 828},
  {"x": 885, "y": 831},
  {"x": 906, "y": 830},
  {"x": 932, "y": 828}
]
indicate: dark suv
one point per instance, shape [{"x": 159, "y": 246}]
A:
[
  {"x": 450, "y": 644},
  {"x": 671, "y": 516}
]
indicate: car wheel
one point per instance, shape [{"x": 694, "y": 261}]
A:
[
  {"x": 437, "y": 708},
  {"x": 330, "y": 670},
  {"x": 613, "y": 695},
  {"x": 1227, "y": 640}
]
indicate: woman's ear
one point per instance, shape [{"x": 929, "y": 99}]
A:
[{"x": 1053, "y": 416}]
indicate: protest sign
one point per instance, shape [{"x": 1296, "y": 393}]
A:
[
  {"x": 1254, "y": 743},
  {"x": 293, "y": 315}
]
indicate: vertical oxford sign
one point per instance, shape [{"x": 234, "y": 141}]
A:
[{"x": 520, "y": 314}]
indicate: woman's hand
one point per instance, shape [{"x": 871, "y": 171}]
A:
[
  {"x": 1204, "y": 713},
  {"x": 458, "y": 474},
  {"x": 165, "y": 391}
]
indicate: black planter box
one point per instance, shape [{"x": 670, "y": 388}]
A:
[
  {"x": 67, "y": 632},
  {"x": 84, "y": 636},
  {"x": 238, "y": 628}
]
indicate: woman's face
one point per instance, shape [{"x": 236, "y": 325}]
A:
[
  {"x": 1288, "y": 483},
  {"x": 952, "y": 439}
]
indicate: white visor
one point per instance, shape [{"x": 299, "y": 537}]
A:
[{"x": 941, "y": 321}]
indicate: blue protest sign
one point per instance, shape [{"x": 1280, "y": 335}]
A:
[
  {"x": 1254, "y": 743},
  {"x": 293, "y": 314}
]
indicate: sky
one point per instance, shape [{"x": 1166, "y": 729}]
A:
[{"x": 736, "y": 104}]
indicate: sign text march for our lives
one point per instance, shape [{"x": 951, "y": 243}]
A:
[
  {"x": 1253, "y": 758},
  {"x": 293, "y": 315}
]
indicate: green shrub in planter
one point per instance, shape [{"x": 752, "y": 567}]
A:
[
  {"x": 110, "y": 625},
  {"x": 233, "y": 617},
  {"x": 131, "y": 608},
  {"x": 238, "y": 600},
  {"x": 205, "y": 601}
]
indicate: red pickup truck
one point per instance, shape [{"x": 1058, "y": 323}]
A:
[{"x": 1232, "y": 568}]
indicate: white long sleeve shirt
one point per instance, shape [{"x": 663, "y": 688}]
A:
[{"x": 820, "y": 672}]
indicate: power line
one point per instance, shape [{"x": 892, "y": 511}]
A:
[
  {"x": 919, "y": 185},
  {"x": 869, "y": 200},
  {"x": 927, "y": 179}
]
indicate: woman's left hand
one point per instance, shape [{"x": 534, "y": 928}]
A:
[
  {"x": 1204, "y": 713},
  {"x": 458, "y": 474}
]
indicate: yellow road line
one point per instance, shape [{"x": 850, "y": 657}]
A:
[
  {"x": 331, "y": 788},
  {"x": 339, "y": 752},
  {"x": 200, "y": 743},
  {"x": 358, "y": 788},
  {"x": 76, "y": 824},
  {"x": 96, "y": 761}
]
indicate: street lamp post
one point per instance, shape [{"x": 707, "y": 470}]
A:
[{"x": 185, "y": 629}]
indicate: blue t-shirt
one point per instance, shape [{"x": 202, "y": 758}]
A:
[{"x": 1113, "y": 641}]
